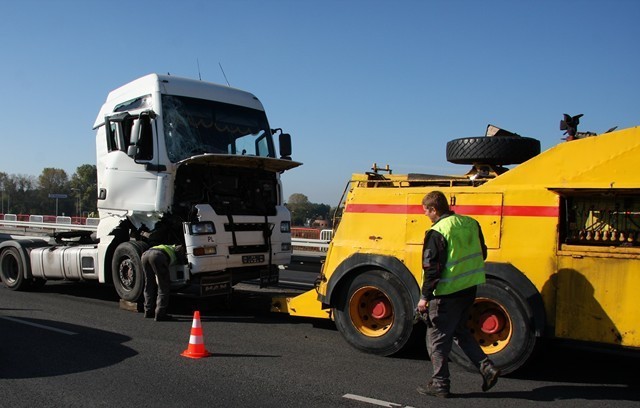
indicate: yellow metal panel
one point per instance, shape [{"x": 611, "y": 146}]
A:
[
  {"x": 305, "y": 305},
  {"x": 597, "y": 295},
  {"x": 486, "y": 208}
]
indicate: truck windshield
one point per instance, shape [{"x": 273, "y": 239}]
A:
[{"x": 196, "y": 126}]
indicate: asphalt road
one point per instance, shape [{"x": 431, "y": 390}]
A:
[{"x": 70, "y": 345}]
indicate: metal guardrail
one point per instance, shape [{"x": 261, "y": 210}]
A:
[
  {"x": 61, "y": 225},
  {"x": 306, "y": 245},
  {"x": 318, "y": 245}
]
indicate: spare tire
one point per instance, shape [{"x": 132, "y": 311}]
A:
[{"x": 495, "y": 150}]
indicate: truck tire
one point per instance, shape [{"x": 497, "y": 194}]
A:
[
  {"x": 375, "y": 313},
  {"x": 499, "y": 321},
  {"x": 126, "y": 269},
  {"x": 496, "y": 150},
  {"x": 12, "y": 270}
]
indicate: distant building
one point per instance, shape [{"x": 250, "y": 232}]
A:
[{"x": 320, "y": 224}]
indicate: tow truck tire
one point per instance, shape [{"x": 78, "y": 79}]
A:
[
  {"x": 127, "y": 272},
  {"x": 501, "y": 322},
  {"x": 375, "y": 313},
  {"x": 495, "y": 150},
  {"x": 12, "y": 270}
]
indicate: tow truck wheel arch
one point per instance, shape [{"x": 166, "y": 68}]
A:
[{"x": 358, "y": 263}]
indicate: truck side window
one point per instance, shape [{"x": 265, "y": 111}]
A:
[{"x": 112, "y": 140}]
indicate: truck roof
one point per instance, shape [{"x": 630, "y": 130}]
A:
[{"x": 173, "y": 85}]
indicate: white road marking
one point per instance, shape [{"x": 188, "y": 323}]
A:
[
  {"x": 41, "y": 326},
  {"x": 373, "y": 401}
]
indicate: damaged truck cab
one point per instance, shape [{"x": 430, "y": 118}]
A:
[{"x": 179, "y": 161}]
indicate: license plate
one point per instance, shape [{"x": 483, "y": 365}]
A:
[{"x": 252, "y": 259}]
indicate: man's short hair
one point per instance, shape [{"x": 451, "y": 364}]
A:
[{"x": 437, "y": 200}]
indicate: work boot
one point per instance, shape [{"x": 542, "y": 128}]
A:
[
  {"x": 435, "y": 390},
  {"x": 490, "y": 374},
  {"x": 164, "y": 317}
]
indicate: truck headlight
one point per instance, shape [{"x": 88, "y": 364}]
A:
[
  {"x": 207, "y": 250},
  {"x": 202, "y": 228},
  {"x": 285, "y": 226}
]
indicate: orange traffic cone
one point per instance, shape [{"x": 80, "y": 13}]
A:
[{"x": 196, "y": 347}]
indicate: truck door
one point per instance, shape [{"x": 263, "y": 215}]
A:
[
  {"x": 127, "y": 181},
  {"x": 486, "y": 208}
]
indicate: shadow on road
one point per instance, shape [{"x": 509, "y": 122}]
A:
[
  {"x": 32, "y": 348},
  {"x": 558, "y": 363},
  {"x": 563, "y": 393},
  {"x": 88, "y": 289}
]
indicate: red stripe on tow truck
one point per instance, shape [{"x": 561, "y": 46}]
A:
[{"x": 507, "y": 210}]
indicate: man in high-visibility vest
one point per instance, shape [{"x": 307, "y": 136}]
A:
[
  {"x": 157, "y": 280},
  {"x": 453, "y": 267}
]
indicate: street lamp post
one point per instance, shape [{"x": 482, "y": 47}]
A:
[{"x": 57, "y": 196}]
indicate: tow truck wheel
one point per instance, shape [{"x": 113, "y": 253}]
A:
[
  {"x": 126, "y": 269},
  {"x": 376, "y": 314},
  {"x": 12, "y": 270},
  {"x": 499, "y": 321}
]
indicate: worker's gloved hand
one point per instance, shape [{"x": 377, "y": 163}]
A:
[{"x": 421, "y": 317}]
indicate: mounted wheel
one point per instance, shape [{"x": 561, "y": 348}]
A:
[
  {"x": 375, "y": 313},
  {"x": 495, "y": 150},
  {"x": 12, "y": 269},
  {"x": 501, "y": 322},
  {"x": 126, "y": 270}
]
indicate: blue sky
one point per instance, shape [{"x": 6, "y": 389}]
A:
[{"x": 354, "y": 82}]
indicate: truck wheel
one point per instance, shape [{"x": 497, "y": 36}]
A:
[
  {"x": 376, "y": 313},
  {"x": 12, "y": 270},
  {"x": 495, "y": 150},
  {"x": 126, "y": 268},
  {"x": 501, "y": 323}
]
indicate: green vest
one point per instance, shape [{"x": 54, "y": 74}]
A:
[
  {"x": 169, "y": 250},
  {"x": 465, "y": 263}
]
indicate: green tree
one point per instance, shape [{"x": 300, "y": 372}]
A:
[
  {"x": 84, "y": 187},
  {"x": 4, "y": 194},
  {"x": 299, "y": 206},
  {"x": 304, "y": 212},
  {"x": 55, "y": 181}
]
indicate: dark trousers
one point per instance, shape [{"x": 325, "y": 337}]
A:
[
  {"x": 157, "y": 281},
  {"x": 447, "y": 323}
]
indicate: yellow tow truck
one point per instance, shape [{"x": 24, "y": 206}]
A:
[{"x": 562, "y": 228}]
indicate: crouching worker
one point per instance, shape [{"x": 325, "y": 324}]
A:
[
  {"x": 453, "y": 267},
  {"x": 157, "y": 280}
]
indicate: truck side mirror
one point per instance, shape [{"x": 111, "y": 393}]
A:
[
  {"x": 132, "y": 149},
  {"x": 285, "y": 146}
]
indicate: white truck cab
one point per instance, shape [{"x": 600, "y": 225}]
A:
[{"x": 179, "y": 161}]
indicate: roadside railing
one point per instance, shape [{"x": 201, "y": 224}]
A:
[
  {"x": 303, "y": 240},
  {"x": 37, "y": 225}
]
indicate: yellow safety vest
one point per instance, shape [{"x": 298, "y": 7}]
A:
[
  {"x": 169, "y": 250},
  {"x": 465, "y": 263}
]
